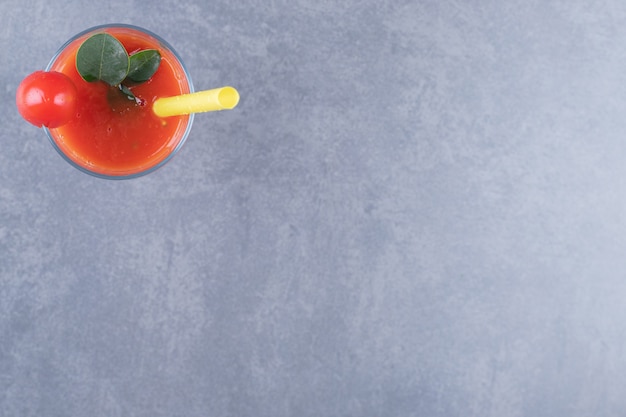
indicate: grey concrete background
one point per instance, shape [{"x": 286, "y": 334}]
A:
[{"x": 417, "y": 209}]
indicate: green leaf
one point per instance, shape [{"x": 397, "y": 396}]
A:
[
  {"x": 143, "y": 65},
  {"x": 126, "y": 91},
  {"x": 102, "y": 57}
]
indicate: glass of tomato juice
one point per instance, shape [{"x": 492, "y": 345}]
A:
[{"x": 111, "y": 136}]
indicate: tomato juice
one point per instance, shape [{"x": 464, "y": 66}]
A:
[{"x": 111, "y": 135}]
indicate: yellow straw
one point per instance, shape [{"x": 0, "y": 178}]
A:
[{"x": 224, "y": 98}]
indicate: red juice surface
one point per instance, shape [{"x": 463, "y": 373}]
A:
[{"x": 110, "y": 134}]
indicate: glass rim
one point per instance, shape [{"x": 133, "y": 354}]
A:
[{"x": 188, "y": 79}]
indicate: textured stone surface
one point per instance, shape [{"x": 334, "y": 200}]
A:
[{"x": 417, "y": 209}]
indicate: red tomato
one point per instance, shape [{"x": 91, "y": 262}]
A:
[{"x": 46, "y": 98}]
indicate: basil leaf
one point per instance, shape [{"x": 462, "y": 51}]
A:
[
  {"x": 102, "y": 57},
  {"x": 143, "y": 65},
  {"x": 126, "y": 91}
]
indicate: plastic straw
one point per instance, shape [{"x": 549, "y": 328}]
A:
[{"x": 224, "y": 98}]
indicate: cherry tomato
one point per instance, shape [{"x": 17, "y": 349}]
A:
[{"x": 46, "y": 98}]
